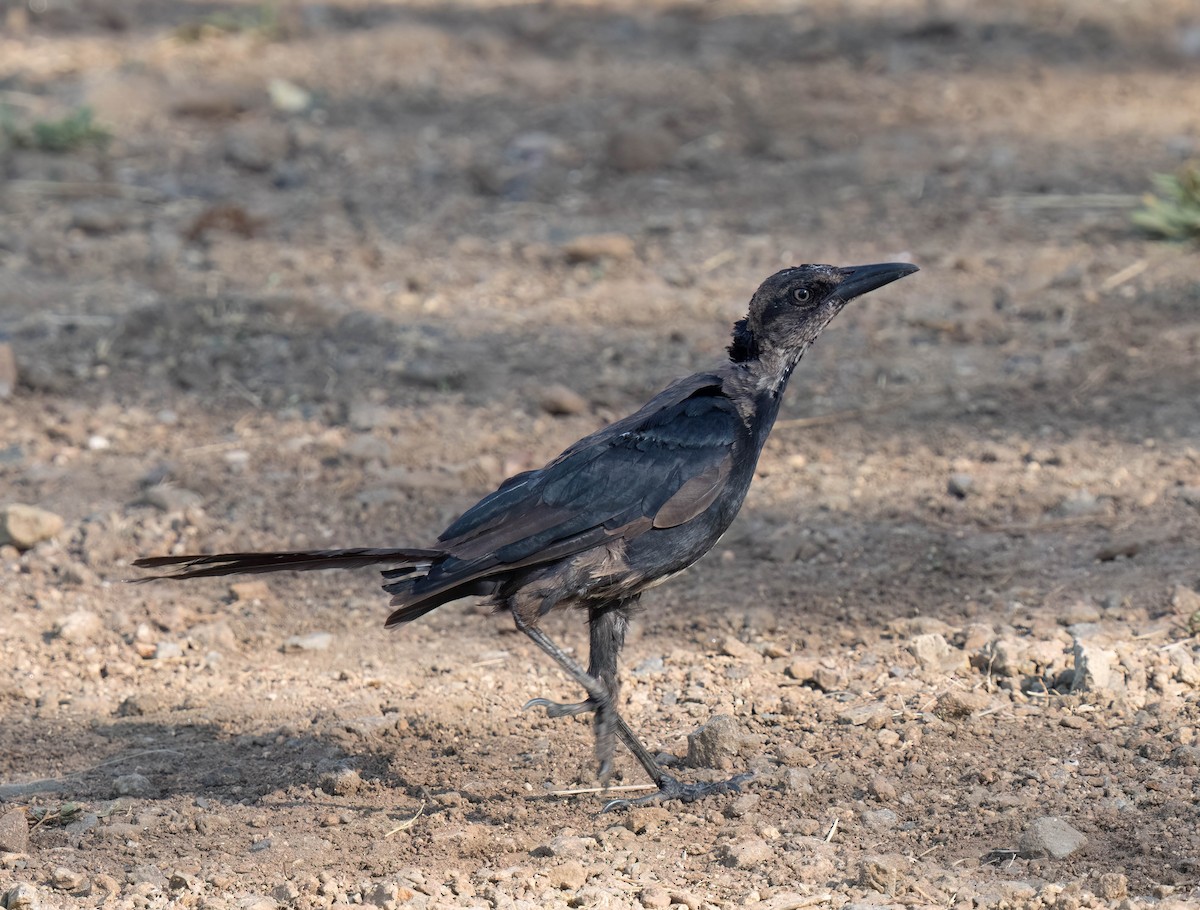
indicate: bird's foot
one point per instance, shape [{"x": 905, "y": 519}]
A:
[
  {"x": 604, "y": 723},
  {"x": 669, "y": 788}
]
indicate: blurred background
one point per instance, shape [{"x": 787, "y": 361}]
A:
[{"x": 322, "y": 274}]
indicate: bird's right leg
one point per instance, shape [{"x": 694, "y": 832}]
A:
[{"x": 607, "y": 624}]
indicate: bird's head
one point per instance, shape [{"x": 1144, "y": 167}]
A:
[{"x": 789, "y": 309}]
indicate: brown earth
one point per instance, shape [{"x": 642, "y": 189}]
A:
[{"x": 961, "y": 596}]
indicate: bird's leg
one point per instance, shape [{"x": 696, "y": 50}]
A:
[
  {"x": 607, "y": 624},
  {"x": 598, "y": 694}
]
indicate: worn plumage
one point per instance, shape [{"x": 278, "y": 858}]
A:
[{"x": 619, "y": 511}]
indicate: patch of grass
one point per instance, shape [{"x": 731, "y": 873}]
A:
[
  {"x": 70, "y": 133},
  {"x": 1173, "y": 211}
]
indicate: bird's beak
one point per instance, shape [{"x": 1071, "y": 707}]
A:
[{"x": 861, "y": 279}]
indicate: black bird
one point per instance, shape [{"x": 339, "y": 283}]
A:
[{"x": 618, "y": 512}]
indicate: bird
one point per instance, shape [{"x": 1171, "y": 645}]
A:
[{"x": 620, "y": 511}]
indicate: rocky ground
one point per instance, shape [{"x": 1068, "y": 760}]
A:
[{"x": 324, "y": 274}]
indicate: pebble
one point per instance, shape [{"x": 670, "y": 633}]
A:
[
  {"x": 715, "y": 744},
  {"x": 956, "y": 703},
  {"x": 340, "y": 781},
  {"x": 1095, "y": 669},
  {"x": 167, "y": 650},
  {"x": 934, "y": 653},
  {"x": 566, "y": 845},
  {"x": 655, "y": 897},
  {"x": 313, "y": 641},
  {"x": 1050, "y": 836},
  {"x": 23, "y": 526},
  {"x": 14, "y": 832},
  {"x": 80, "y": 627},
  {"x": 65, "y": 879},
  {"x": 732, "y": 646},
  {"x": 288, "y": 97},
  {"x": 21, "y": 896},
  {"x": 8, "y": 370},
  {"x": 1113, "y": 886},
  {"x": 97, "y": 220},
  {"x": 133, "y": 784},
  {"x": 959, "y": 485},
  {"x": 570, "y": 876},
  {"x": 882, "y": 789},
  {"x": 883, "y": 872},
  {"x": 598, "y": 247},
  {"x": 560, "y": 401},
  {"x": 746, "y": 854}
]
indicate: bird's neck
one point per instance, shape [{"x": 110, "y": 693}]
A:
[{"x": 757, "y": 385}]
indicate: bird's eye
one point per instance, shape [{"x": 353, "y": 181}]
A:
[{"x": 802, "y": 295}]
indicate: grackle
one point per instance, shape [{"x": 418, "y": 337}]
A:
[{"x": 618, "y": 512}]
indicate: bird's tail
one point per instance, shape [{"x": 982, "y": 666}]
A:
[{"x": 198, "y": 566}]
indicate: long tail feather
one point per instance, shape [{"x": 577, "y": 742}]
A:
[{"x": 205, "y": 566}]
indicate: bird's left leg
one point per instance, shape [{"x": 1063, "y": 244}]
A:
[{"x": 607, "y": 624}]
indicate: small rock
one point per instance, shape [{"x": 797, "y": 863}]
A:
[
  {"x": 133, "y": 784},
  {"x": 256, "y": 146},
  {"x": 570, "y": 876},
  {"x": 22, "y": 896},
  {"x": 934, "y": 653},
  {"x": 388, "y": 894},
  {"x": 802, "y": 669},
  {"x": 340, "y": 781},
  {"x": 288, "y": 97},
  {"x": 873, "y": 716},
  {"x": 80, "y": 627},
  {"x": 313, "y": 641},
  {"x": 23, "y": 525},
  {"x": 882, "y": 789},
  {"x": 597, "y": 247},
  {"x": 645, "y": 147},
  {"x": 655, "y": 897},
  {"x": 1095, "y": 669},
  {"x": 715, "y": 744},
  {"x": 167, "y": 650},
  {"x": 959, "y": 485},
  {"x": 8, "y": 370},
  {"x": 559, "y": 401},
  {"x": 883, "y": 872},
  {"x": 746, "y": 854},
  {"x": 957, "y": 704},
  {"x": 731, "y": 646},
  {"x": 65, "y": 879},
  {"x": 743, "y": 805},
  {"x": 1050, "y": 836},
  {"x": 1113, "y": 886},
  {"x": 14, "y": 832},
  {"x": 566, "y": 846},
  {"x": 686, "y": 899}
]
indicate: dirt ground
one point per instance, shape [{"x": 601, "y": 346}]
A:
[{"x": 344, "y": 266}]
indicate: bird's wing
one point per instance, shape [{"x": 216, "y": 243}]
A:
[{"x": 659, "y": 467}]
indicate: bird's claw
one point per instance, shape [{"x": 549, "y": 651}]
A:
[
  {"x": 669, "y": 788},
  {"x": 560, "y": 709}
]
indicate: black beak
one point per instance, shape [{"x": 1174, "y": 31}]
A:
[{"x": 861, "y": 279}]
